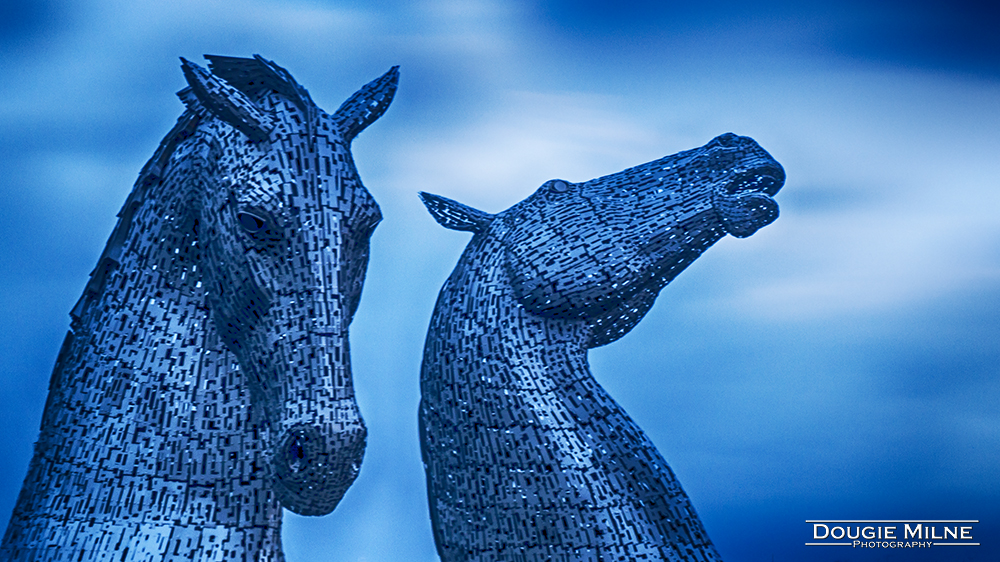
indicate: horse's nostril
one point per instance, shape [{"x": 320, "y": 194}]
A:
[
  {"x": 299, "y": 450},
  {"x": 296, "y": 448},
  {"x": 296, "y": 455}
]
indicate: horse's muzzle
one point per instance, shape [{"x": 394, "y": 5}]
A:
[{"x": 313, "y": 468}]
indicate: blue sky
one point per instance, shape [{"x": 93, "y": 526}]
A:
[{"x": 841, "y": 363}]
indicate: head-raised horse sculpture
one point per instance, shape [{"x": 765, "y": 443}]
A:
[
  {"x": 527, "y": 457},
  {"x": 206, "y": 381}
]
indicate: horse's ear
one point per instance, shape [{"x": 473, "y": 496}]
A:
[
  {"x": 454, "y": 215},
  {"x": 367, "y": 104},
  {"x": 227, "y": 103}
]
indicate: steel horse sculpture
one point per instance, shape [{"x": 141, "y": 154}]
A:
[
  {"x": 527, "y": 457},
  {"x": 206, "y": 380}
]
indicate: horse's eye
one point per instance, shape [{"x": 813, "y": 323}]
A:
[
  {"x": 559, "y": 186},
  {"x": 726, "y": 140},
  {"x": 251, "y": 222}
]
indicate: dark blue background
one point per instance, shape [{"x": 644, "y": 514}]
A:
[{"x": 840, "y": 364}]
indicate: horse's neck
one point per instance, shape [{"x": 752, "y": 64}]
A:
[
  {"x": 508, "y": 401},
  {"x": 478, "y": 320},
  {"x": 143, "y": 361},
  {"x": 148, "y": 433}
]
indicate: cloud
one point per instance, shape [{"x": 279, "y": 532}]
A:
[
  {"x": 104, "y": 60},
  {"x": 528, "y": 138}
]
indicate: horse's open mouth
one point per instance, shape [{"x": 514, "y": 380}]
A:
[
  {"x": 744, "y": 204},
  {"x": 765, "y": 179}
]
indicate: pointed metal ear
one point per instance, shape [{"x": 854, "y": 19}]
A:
[
  {"x": 454, "y": 215},
  {"x": 227, "y": 103},
  {"x": 367, "y": 104}
]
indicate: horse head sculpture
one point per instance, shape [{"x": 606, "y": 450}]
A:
[
  {"x": 527, "y": 457},
  {"x": 206, "y": 380}
]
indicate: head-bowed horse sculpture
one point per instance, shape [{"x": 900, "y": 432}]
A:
[
  {"x": 527, "y": 457},
  {"x": 206, "y": 380}
]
